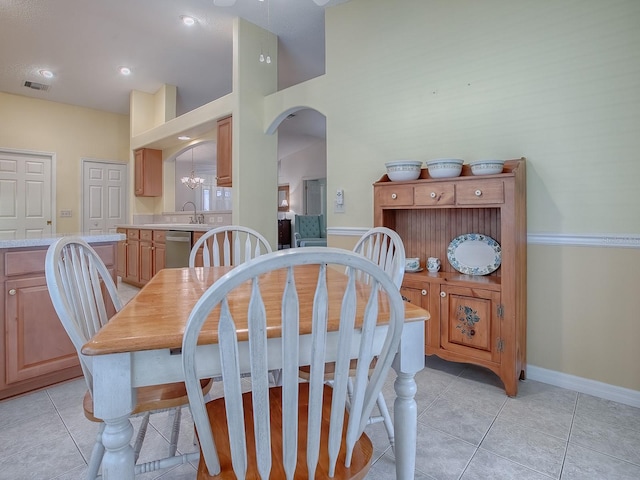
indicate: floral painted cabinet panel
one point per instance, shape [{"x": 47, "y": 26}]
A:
[{"x": 471, "y": 320}]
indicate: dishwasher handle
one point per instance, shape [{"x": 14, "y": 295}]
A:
[{"x": 170, "y": 238}]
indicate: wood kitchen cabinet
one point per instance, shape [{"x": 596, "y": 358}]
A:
[
  {"x": 35, "y": 350},
  {"x": 141, "y": 255},
  {"x": 224, "y": 162},
  {"x": 148, "y": 172},
  {"x": 131, "y": 257},
  {"x": 479, "y": 319}
]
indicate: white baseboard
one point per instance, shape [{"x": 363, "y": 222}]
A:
[{"x": 622, "y": 395}]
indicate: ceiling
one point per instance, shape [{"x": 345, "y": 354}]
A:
[{"x": 84, "y": 42}]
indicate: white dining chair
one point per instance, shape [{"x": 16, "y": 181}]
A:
[
  {"x": 236, "y": 243},
  {"x": 84, "y": 296},
  {"x": 384, "y": 247},
  {"x": 297, "y": 429}
]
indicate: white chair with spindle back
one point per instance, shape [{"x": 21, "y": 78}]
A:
[
  {"x": 84, "y": 296},
  {"x": 384, "y": 247},
  {"x": 256, "y": 434},
  {"x": 237, "y": 243}
]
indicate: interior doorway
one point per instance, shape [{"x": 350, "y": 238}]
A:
[
  {"x": 27, "y": 194},
  {"x": 104, "y": 196}
]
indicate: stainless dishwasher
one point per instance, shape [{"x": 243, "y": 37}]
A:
[{"x": 178, "y": 244}]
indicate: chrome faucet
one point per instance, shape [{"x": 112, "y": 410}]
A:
[{"x": 195, "y": 218}]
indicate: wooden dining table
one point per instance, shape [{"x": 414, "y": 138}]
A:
[{"x": 141, "y": 346}]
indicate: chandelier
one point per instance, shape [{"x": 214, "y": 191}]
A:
[{"x": 192, "y": 181}]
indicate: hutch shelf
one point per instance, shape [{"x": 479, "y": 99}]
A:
[{"x": 479, "y": 319}]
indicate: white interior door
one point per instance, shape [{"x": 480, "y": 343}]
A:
[
  {"x": 315, "y": 199},
  {"x": 27, "y": 194},
  {"x": 104, "y": 191}
]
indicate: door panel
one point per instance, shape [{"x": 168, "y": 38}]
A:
[
  {"x": 27, "y": 204},
  {"x": 105, "y": 205}
]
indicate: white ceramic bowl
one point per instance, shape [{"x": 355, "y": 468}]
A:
[
  {"x": 403, "y": 170},
  {"x": 445, "y": 167},
  {"x": 486, "y": 167}
]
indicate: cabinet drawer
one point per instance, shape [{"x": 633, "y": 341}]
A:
[
  {"x": 133, "y": 234},
  {"x": 159, "y": 236},
  {"x": 26, "y": 262},
  {"x": 146, "y": 235},
  {"x": 435, "y": 194},
  {"x": 476, "y": 193},
  {"x": 392, "y": 196}
]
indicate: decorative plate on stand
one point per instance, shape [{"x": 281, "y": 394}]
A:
[{"x": 474, "y": 254}]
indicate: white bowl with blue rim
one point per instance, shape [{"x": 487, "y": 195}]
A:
[
  {"x": 487, "y": 167},
  {"x": 445, "y": 167},
  {"x": 403, "y": 170}
]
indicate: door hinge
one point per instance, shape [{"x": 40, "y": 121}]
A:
[
  {"x": 500, "y": 345},
  {"x": 500, "y": 310}
]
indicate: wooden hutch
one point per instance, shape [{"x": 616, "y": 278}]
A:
[{"x": 428, "y": 214}]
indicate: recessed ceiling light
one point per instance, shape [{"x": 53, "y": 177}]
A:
[
  {"x": 187, "y": 20},
  {"x": 124, "y": 70},
  {"x": 46, "y": 73},
  {"x": 184, "y": 137}
]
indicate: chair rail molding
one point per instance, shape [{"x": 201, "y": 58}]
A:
[{"x": 612, "y": 240}]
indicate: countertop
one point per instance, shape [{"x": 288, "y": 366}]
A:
[
  {"x": 185, "y": 227},
  {"x": 46, "y": 241}
]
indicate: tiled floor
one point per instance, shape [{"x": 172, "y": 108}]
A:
[{"x": 467, "y": 429}]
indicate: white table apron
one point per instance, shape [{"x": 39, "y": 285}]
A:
[{"x": 116, "y": 376}]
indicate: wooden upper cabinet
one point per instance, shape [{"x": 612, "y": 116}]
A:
[
  {"x": 148, "y": 174},
  {"x": 224, "y": 152}
]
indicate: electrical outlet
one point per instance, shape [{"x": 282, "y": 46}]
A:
[
  {"x": 338, "y": 207},
  {"x": 65, "y": 213}
]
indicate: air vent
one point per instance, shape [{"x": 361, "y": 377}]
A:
[{"x": 37, "y": 86}]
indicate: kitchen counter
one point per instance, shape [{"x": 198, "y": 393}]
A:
[
  {"x": 184, "y": 227},
  {"x": 46, "y": 241},
  {"x": 35, "y": 350}
]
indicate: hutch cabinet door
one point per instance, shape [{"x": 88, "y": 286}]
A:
[{"x": 470, "y": 322}]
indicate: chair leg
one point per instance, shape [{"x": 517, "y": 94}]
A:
[
  {"x": 140, "y": 438},
  {"x": 384, "y": 411},
  {"x": 96, "y": 455},
  {"x": 175, "y": 431}
]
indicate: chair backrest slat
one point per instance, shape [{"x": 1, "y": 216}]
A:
[
  {"x": 357, "y": 337},
  {"x": 384, "y": 247},
  {"x": 229, "y": 245},
  {"x": 76, "y": 278}
]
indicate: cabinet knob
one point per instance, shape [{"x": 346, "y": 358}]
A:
[
  {"x": 433, "y": 194},
  {"x": 423, "y": 292},
  {"x": 394, "y": 196},
  {"x": 443, "y": 294},
  {"x": 12, "y": 291},
  {"x": 478, "y": 193}
]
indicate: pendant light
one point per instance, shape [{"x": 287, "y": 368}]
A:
[{"x": 192, "y": 181}]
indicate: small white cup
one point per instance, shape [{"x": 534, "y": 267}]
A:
[
  {"x": 433, "y": 264},
  {"x": 412, "y": 263}
]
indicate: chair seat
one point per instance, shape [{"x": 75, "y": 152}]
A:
[
  {"x": 362, "y": 453},
  {"x": 157, "y": 397}
]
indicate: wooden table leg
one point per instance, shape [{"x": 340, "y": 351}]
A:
[
  {"x": 408, "y": 361},
  {"x": 406, "y": 425},
  {"x": 113, "y": 399}
]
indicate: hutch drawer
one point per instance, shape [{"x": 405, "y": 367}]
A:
[
  {"x": 435, "y": 194},
  {"x": 480, "y": 193}
]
